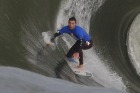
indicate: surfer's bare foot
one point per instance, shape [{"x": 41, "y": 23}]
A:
[{"x": 81, "y": 66}]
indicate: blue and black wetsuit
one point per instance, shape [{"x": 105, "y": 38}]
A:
[{"x": 83, "y": 40}]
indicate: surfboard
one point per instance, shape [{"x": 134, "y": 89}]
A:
[{"x": 79, "y": 71}]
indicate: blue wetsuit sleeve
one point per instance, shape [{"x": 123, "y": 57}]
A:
[
  {"x": 61, "y": 31},
  {"x": 64, "y": 30}
]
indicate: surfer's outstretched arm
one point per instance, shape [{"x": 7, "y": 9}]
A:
[{"x": 65, "y": 29}]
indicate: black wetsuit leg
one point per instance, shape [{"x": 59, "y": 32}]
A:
[{"x": 75, "y": 47}]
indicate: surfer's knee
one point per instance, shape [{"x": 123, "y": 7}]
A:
[{"x": 67, "y": 55}]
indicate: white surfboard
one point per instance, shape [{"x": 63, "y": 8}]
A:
[{"x": 79, "y": 71}]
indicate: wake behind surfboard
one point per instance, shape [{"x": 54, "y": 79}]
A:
[{"x": 73, "y": 65}]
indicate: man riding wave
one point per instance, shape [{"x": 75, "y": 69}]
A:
[{"x": 83, "y": 40}]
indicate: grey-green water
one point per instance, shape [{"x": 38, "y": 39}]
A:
[{"x": 22, "y": 22}]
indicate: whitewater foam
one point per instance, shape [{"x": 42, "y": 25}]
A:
[{"x": 133, "y": 43}]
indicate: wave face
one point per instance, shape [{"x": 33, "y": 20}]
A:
[
  {"x": 83, "y": 10},
  {"x": 111, "y": 60},
  {"x": 110, "y": 28}
]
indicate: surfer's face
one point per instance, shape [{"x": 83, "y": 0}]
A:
[{"x": 72, "y": 24}]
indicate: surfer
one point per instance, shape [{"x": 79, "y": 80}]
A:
[{"x": 83, "y": 40}]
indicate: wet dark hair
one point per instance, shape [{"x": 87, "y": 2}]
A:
[{"x": 72, "y": 19}]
